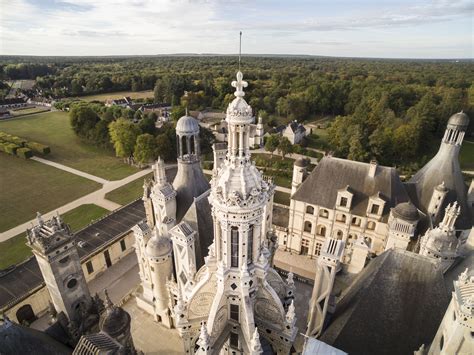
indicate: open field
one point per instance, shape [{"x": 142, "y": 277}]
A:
[
  {"x": 28, "y": 186},
  {"x": 15, "y": 250},
  {"x": 466, "y": 157},
  {"x": 118, "y": 95},
  {"x": 29, "y": 111},
  {"x": 127, "y": 193},
  {"x": 282, "y": 198},
  {"x": 53, "y": 129}
]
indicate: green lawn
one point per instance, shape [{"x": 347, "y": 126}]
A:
[
  {"x": 14, "y": 250},
  {"x": 118, "y": 95},
  {"x": 466, "y": 157},
  {"x": 53, "y": 129},
  {"x": 29, "y": 110},
  {"x": 282, "y": 198},
  {"x": 27, "y": 186},
  {"x": 129, "y": 192}
]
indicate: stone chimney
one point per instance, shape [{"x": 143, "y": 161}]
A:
[{"x": 373, "y": 168}]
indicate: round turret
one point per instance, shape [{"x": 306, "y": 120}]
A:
[
  {"x": 115, "y": 322},
  {"x": 158, "y": 247},
  {"x": 406, "y": 211},
  {"x": 458, "y": 121},
  {"x": 187, "y": 125}
]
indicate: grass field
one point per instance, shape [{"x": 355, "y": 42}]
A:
[
  {"x": 129, "y": 192},
  {"x": 282, "y": 198},
  {"x": 118, "y": 95},
  {"x": 466, "y": 157},
  {"x": 27, "y": 186},
  {"x": 53, "y": 129},
  {"x": 14, "y": 250}
]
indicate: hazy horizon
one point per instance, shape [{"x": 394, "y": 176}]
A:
[{"x": 418, "y": 29}]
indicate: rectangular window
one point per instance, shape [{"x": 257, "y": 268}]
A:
[
  {"x": 90, "y": 268},
  {"x": 343, "y": 201},
  {"x": 123, "y": 245},
  {"x": 234, "y": 312},
  {"x": 234, "y": 247},
  {"x": 250, "y": 245},
  {"x": 374, "y": 209},
  {"x": 234, "y": 340}
]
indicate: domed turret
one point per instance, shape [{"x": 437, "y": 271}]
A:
[
  {"x": 158, "y": 247},
  {"x": 406, "y": 211},
  {"x": 458, "y": 121},
  {"x": 187, "y": 125}
]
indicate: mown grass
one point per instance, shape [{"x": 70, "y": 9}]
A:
[
  {"x": 129, "y": 192},
  {"x": 54, "y": 129},
  {"x": 282, "y": 198},
  {"x": 15, "y": 250},
  {"x": 27, "y": 186}
]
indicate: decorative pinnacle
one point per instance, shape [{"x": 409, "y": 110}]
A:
[
  {"x": 291, "y": 314},
  {"x": 109, "y": 305},
  {"x": 239, "y": 85},
  {"x": 255, "y": 345},
  {"x": 204, "y": 337}
]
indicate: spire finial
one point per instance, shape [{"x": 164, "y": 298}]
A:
[
  {"x": 186, "y": 96},
  {"x": 255, "y": 345},
  {"x": 240, "y": 48},
  {"x": 108, "y": 302}
]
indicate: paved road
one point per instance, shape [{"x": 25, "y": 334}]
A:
[
  {"x": 96, "y": 197},
  {"x": 71, "y": 170}
]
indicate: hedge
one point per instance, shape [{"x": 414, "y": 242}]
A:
[
  {"x": 11, "y": 148},
  {"x": 24, "y": 153},
  {"x": 38, "y": 148}
]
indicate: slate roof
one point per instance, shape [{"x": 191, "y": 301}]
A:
[
  {"x": 199, "y": 217},
  {"x": 16, "y": 339},
  {"x": 393, "y": 306},
  {"x": 333, "y": 174},
  {"x": 97, "y": 343},
  {"x": 444, "y": 167},
  {"x": 19, "y": 281}
]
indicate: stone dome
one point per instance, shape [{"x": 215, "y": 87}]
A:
[
  {"x": 187, "y": 125},
  {"x": 158, "y": 247},
  {"x": 301, "y": 162},
  {"x": 115, "y": 322},
  {"x": 459, "y": 119},
  {"x": 406, "y": 211}
]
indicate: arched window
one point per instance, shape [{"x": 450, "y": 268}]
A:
[
  {"x": 191, "y": 145},
  {"x": 323, "y": 213},
  {"x": 371, "y": 225},
  {"x": 307, "y": 226},
  {"x": 339, "y": 234},
  {"x": 310, "y": 209},
  {"x": 234, "y": 247},
  {"x": 368, "y": 241},
  {"x": 355, "y": 221},
  {"x": 184, "y": 148},
  {"x": 250, "y": 245},
  {"x": 341, "y": 217},
  {"x": 321, "y": 230}
]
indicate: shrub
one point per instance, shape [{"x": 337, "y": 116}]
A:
[
  {"x": 38, "y": 148},
  {"x": 24, "y": 153},
  {"x": 11, "y": 148}
]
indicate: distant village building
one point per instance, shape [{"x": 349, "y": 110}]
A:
[
  {"x": 163, "y": 111},
  {"x": 295, "y": 132},
  {"x": 12, "y": 103},
  {"x": 124, "y": 102}
]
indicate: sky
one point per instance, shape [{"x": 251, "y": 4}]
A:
[{"x": 349, "y": 28}]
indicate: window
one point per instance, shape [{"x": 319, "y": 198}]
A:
[
  {"x": 355, "y": 221},
  {"x": 343, "y": 202},
  {"x": 339, "y": 234},
  {"x": 371, "y": 225},
  {"x": 322, "y": 231},
  {"x": 234, "y": 340},
  {"x": 71, "y": 283},
  {"x": 234, "y": 247},
  {"x": 374, "y": 209},
  {"x": 123, "y": 245},
  {"x": 341, "y": 217},
  {"x": 323, "y": 213},
  {"x": 234, "y": 312},
  {"x": 304, "y": 246},
  {"x": 307, "y": 226},
  {"x": 317, "y": 248},
  {"x": 250, "y": 245},
  {"x": 310, "y": 209},
  {"x": 90, "y": 268}
]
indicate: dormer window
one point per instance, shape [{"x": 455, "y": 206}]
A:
[
  {"x": 310, "y": 209},
  {"x": 375, "y": 209},
  {"x": 343, "y": 202},
  {"x": 323, "y": 213}
]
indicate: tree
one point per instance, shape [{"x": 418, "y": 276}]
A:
[
  {"x": 206, "y": 139},
  {"x": 271, "y": 143},
  {"x": 177, "y": 112},
  {"x": 123, "y": 135},
  {"x": 146, "y": 149},
  {"x": 83, "y": 119},
  {"x": 284, "y": 147},
  {"x": 147, "y": 125},
  {"x": 165, "y": 149}
]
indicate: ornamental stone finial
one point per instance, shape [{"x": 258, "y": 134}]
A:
[
  {"x": 255, "y": 345},
  {"x": 239, "y": 85},
  {"x": 291, "y": 314},
  {"x": 204, "y": 340}
]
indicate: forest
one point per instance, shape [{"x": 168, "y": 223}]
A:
[{"x": 391, "y": 110}]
